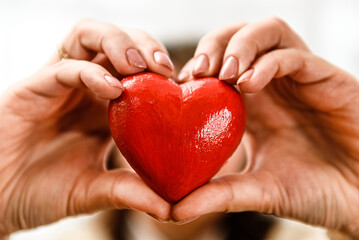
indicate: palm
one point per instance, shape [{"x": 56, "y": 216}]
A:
[
  {"x": 302, "y": 134},
  {"x": 302, "y": 153},
  {"x": 298, "y": 151},
  {"x": 55, "y": 135},
  {"x": 80, "y": 112},
  {"x": 71, "y": 141},
  {"x": 54, "y": 155}
]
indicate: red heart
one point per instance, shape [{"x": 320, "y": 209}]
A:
[{"x": 176, "y": 137}]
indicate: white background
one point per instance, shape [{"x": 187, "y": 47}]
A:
[{"x": 31, "y": 30}]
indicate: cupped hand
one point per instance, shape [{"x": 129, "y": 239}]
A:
[
  {"x": 54, "y": 132},
  {"x": 302, "y": 136}
]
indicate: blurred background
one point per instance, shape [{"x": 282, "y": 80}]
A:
[{"x": 30, "y": 32}]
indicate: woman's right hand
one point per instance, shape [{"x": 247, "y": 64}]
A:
[{"x": 54, "y": 131}]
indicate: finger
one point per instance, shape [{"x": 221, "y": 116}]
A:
[
  {"x": 103, "y": 61},
  {"x": 154, "y": 53},
  {"x": 90, "y": 37},
  {"x": 313, "y": 79},
  {"x": 254, "y": 39},
  {"x": 116, "y": 189},
  {"x": 185, "y": 74},
  {"x": 234, "y": 193},
  {"x": 61, "y": 78},
  {"x": 210, "y": 50},
  {"x": 303, "y": 67}
]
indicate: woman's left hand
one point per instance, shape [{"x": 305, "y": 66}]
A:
[{"x": 302, "y": 134}]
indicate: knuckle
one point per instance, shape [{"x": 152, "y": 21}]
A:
[
  {"x": 277, "y": 20},
  {"x": 205, "y": 39},
  {"x": 86, "y": 67},
  {"x": 210, "y": 39},
  {"x": 113, "y": 32},
  {"x": 84, "y": 21},
  {"x": 280, "y": 23},
  {"x": 79, "y": 26},
  {"x": 150, "y": 41},
  {"x": 61, "y": 63},
  {"x": 57, "y": 70},
  {"x": 244, "y": 38},
  {"x": 221, "y": 37},
  {"x": 246, "y": 44},
  {"x": 107, "y": 30},
  {"x": 213, "y": 36},
  {"x": 140, "y": 33},
  {"x": 60, "y": 66},
  {"x": 239, "y": 24},
  {"x": 236, "y": 26}
]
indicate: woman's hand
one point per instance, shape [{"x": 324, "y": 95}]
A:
[
  {"x": 54, "y": 132},
  {"x": 302, "y": 137}
]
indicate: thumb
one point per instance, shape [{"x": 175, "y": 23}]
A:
[
  {"x": 116, "y": 189},
  {"x": 231, "y": 193}
]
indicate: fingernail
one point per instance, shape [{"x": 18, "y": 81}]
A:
[
  {"x": 183, "y": 76},
  {"x": 113, "y": 82},
  {"x": 229, "y": 69},
  {"x": 157, "y": 219},
  {"x": 201, "y": 65},
  {"x": 186, "y": 221},
  {"x": 135, "y": 58},
  {"x": 163, "y": 59},
  {"x": 246, "y": 76}
]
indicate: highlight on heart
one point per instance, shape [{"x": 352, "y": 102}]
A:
[
  {"x": 171, "y": 120},
  {"x": 176, "y": 137}
]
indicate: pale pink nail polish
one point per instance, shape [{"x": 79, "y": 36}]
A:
[
  {"x": 246, "y": 76},
  {"x": 201, "y": 65},
  {"x": 229, "y": 69},
  {"x": 163, "y": 59},
  {"x": 186, "y": 221},
  {"x": 157, "y": 219},
  {"x": 113, "y": 82},
  {"x": 135, "y": 58},
  {"x": 183, "y": 76}
]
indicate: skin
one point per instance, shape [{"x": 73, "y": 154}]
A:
[
  {"x": 194, "y": 229},
  {"x": 301, "y": 142},
  {"x": 302, "y": 136},
  {"x": 55, "y": 137}
]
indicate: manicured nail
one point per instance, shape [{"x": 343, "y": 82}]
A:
[
  {"x": 157, "y": 219},
  {"x": 135, "y": 58},
  {"x": 182, "y": 76},
  {"x": 163, "y": 59},
  {"x": 246, "y": 76},
  {"x": 186, "y": 221},
  {"x": 113, "y": 82},
  {"x": 201, "y": 65},
  {"x": 229, "y": 69}
]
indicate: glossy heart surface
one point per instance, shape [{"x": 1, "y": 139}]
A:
[{"x": 176, "y": 137}]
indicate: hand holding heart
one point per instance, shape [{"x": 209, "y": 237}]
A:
[
  {"x": 55, "y": 137},
  {"x": 301, "y": 138},
  {"x": 302, "y": 133},
  {"x": 176, "y": 137}
]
